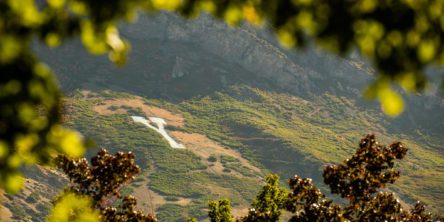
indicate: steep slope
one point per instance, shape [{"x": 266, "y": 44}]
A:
[
  {"x": 232, "y": 138},
  {"x": 242, "y": 106},
  {"x": 290, "y": 135},
  {"x": 247, "y": 128},
  {"x": 175, "y": 59},
  {"x": 34, "y": 202},
  {"x": 179, "y": 182}
]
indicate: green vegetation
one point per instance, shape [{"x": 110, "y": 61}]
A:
[
  {"x": 278, "y": 132},
  {"x": 92, "y": 185},
  {"x": 33, "y": 198},
  {"x": 174, "y": 212},
  {"x": 212, "y": 158},
  {"x": 232, "y": 164},
  {"x": 220, "y": 211},
  {"x": 270, "y": 200},
  {"x": 358, "y": 179},
  {"x": 17, "y": 212},
  {"x": 400, "y": 38},
  {"x": 285, "y": 130},
  {"x": 173, "y": 173},
  {"x": 170, "y": 212}
]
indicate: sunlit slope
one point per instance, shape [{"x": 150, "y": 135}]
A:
[
  {"x": 232, "y": 139},
  {"x": 34, "y": 201},
  {"x": 175, "y": 182},
  {"x": 253, "y": 129},
  {"x": 289, "y": 135},
  {"x": 192, "y": 68}
]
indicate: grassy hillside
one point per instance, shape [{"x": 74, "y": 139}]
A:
[
  {"x": 180, "y": 181},
  {"x": 289, "y": 135},
  {"x": 273, "y": 131},
  {"x": 33, "y": 203},
  {"x": 236, "y": 136}
]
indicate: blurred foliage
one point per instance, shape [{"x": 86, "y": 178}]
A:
[
  {"x": 99, "y": 184},
  {"x": 357, "y": 179},
  {"x": 30, "y": 127},
  {"x": 71, "y": 207},
  {"x": 400, "y": 37}
]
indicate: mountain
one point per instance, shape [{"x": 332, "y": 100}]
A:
[
  {"x": 176, "y": 59},
  {"x": 242, "y": 107}
]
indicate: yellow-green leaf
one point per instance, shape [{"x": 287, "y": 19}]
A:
[{"x": 392, "y": 103}]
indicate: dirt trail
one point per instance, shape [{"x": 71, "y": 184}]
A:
[
  {"x": 239, "y": 212},
  {"x": 147, "y": 200},
  {"x": 172, "y": 119}
]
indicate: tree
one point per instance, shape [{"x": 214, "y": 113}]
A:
[
  {"x": 399, "y": 37},
  {"x": 357, "y": 179},
  {"x": 269, "y": 202},
  {"x": 219, "y": 211},
  {"x": 97, "y": 185}
]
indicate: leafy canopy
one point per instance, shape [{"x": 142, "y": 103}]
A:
[
  {"x": 94, "y": 188},
  {"x": 399, "y": 37},
  {"x": 357, "y": 179}
]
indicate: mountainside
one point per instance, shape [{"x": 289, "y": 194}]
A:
[
  {"x": 241, "y": 106},
  {"x": 176, "y": 59}
]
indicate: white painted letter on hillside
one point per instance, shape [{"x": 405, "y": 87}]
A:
[{"x": 160, "y": 129}]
